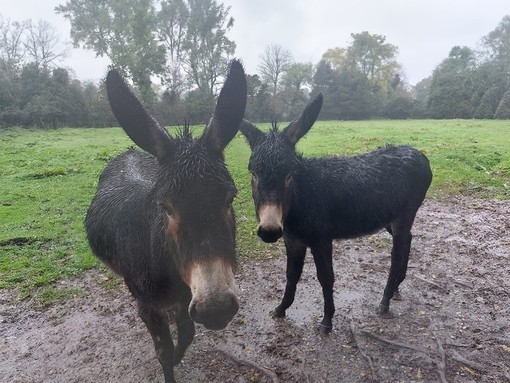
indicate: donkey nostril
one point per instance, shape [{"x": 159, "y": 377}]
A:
[
  {"x": 193, "y": 311},
  {"x": 234, "y": 306},
  {"x": 269, "y": 235}
]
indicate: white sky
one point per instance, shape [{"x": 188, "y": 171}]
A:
[{"x": 423, "y": 31}]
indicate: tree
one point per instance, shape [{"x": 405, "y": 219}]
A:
[
  {"x": 359, "y": 81},
  {"x": 9, "y": 95},
  {"x": 327, "y": 80},
  {"x": 123, "y": 31},
  {"x": 207, "y": 47},
  {"x": 11, "y": 43},
  {"x": 183, "y": 42},
  {"x": 497, "y": 43},
  {"x": 420, "y": 94},
  {"x": 336, "y": 57},
  {"x": 460, "y": 60},
  {"x": 347, "y": 92},
  {"x": 356, "y": 100},
  {"x": 493, "y": 75},
  {"x": 452, "y": 85},
  {"x": 258, "y": 102},
  {"x": 503, "y": 110},
  {"x": 488, "y": 89},
  {"x": 172, "y": 25},
  {"x": 42, "y": 43},
  {"x": 274, "y": 63},
  {"x": 372, "y": 56},
  {"x": 295, "y": 83},
  {"x": 400, "y": 107},
  {"x": 198, "y": 104},
  {"x": 450, "y": 96}
]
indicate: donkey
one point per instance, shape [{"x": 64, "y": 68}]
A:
[
  {"x": 311, "y": 201},
  {"x": 163, "y": 219}
]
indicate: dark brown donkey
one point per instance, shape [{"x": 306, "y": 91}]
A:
[
  {"x": 163, "y": 220},
  {"x": 311, "y": 201}
]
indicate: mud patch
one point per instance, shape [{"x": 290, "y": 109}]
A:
[{"x": 452, "y": 324}]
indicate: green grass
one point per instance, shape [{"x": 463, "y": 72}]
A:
[{"x": 48, "y": 179}]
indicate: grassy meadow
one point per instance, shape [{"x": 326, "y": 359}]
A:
[{"x": 48, "y": 178}]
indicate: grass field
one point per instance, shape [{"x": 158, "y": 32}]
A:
[{"x": 48, "y": 178}]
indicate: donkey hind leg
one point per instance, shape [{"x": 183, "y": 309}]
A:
[
  {"x": 402, "y": 238},
  {"x": 185, "y": 331},
  {"x": 296, "y": 251},
  {"x": 157, "y": 324},
  {"x": 323, "y": 258}
]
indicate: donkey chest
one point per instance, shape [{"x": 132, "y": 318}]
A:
[{"x": 336, "y": 222}]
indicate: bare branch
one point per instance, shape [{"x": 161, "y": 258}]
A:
[
  {"x": 42, "y": 43},
  {"x": 248, "y": 363},
  {"x": 362, "y": 352}
]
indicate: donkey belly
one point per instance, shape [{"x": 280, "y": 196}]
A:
[
  {"x": 118, "y": 214},
  {"x": 356, "y": 221},
  {"x": 115, "y": 235}
]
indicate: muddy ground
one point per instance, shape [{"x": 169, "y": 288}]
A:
[{"x": 452, "y": 324}]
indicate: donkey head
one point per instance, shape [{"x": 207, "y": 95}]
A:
[
  {"x": 273, "y": 162},
  {"x": 193, "y": 222}
]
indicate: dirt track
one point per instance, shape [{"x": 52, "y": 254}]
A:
[{"x": 452, "y": 324}]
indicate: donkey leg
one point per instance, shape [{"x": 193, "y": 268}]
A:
[
  {"x": 323, "y": 258},
  {"x": 402, "y": 238},
  {"x": 185, "y": 331},
  {"x": 157, "y": 324},
  {"x": 296, "y": 251}
]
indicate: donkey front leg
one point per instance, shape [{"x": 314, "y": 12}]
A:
[
  {"x": 296, "y": 251},
  {"x": 323, "y": 257},
  {"x": 185, "y": 331},
  {"x": 157, "y": 324}
]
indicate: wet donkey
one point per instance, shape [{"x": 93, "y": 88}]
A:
[
  {"x": 311, "y": 201},
  {"x": 163, "y": 219}
]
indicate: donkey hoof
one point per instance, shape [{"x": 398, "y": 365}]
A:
[
  {"x": 325, "y": 329},
  {"x": 278, "y": 313},
  {"x": 178, "y": 355},
  {"x": 397, "y": 296},
  {"x": 383, "y": 309}
]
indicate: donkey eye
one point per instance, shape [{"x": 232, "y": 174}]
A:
[
  {"x": 288, "y": 179},
  {"x": 230, "y": 200},
  {"x": 167, "y": 207}
]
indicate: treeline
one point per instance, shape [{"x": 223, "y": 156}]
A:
[
  {"x": 170, "y": 40},
  {"x": 466, "y": 84}
]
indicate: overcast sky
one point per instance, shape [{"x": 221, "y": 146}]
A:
[{"x": 423, "y": 31}]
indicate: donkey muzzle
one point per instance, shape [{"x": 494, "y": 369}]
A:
[
  {"x": 214, "y": 314},
  {"x": 214, "y": 302},
  {"x": 270, "y": 227},
  {"x": 269, "y": 235}
]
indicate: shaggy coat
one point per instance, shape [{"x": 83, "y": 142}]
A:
[
  {"x": 311, "y": 201},
  {"x": 163, "y": 219}
]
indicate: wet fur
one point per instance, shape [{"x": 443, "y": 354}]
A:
[
  {"x": 159, "y": 213},
  {"x": 335, "y": 198}
]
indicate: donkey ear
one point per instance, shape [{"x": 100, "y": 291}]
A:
[
  {"x": 299, "y": 127},
  {"x": 252, "y": 133},
  {"x": 229, "y": 110},
  {"x": 139, "y": 125}
]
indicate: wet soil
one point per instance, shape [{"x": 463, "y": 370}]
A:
[{"x": 452, "y": 324}]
